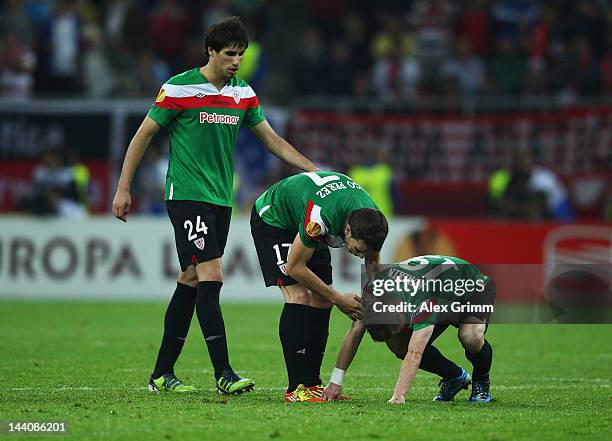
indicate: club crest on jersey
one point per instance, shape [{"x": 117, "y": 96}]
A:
[
  {"x": 199, "y": 243},
  {"x": 236, "y": 95},
  {"x": 313, "y": 229},
  {"x": 160, "y": 96}
]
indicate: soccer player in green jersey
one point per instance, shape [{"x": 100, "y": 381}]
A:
[
  {"x": 409, "y": 305},
  {"x": 202, "y": 108},
  {"x": 293, "y": 223}
]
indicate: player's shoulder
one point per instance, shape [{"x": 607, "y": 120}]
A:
[
  {"x": 191, "y": 76},
  {"x": 458, "y": 260},
  {"x": 325, "y": 175},
  {"x": 341, "y": 176}
]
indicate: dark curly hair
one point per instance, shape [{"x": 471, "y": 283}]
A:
[
  {"x": 369, "y": 225},
  {"x": 226, "y": 33}
]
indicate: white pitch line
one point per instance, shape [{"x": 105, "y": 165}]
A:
[
  {"x": 493, "y": 387},
  {"x": 578, "y": 380},
  {"x": 273, "y": 389}
]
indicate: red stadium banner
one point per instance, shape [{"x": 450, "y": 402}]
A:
[
  {"x": 446, "y": 148},
  {"x": 507, "y": 242},
  {"x": 16, "y": 178},
  {"x": 519, "y": 255},
  {"x": 442, "y": 162}
]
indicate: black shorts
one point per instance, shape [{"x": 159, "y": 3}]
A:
[
  {"x": 272, "y": 245},
  {"x": 399, "y": 344},
  {"x": 200, "y": 230},
  {"x": 484, "y": 298}
]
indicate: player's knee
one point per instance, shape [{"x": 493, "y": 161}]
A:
[
  {"x": 302, "y": 297},
  {"x": 297, "y": 294},
  {"x": 210, "y": 271},
  {"x": 471, "y": 339},
  {"x": 212, "y": 276},
  {"x": 321, "y": 304},
  {"x": 317, "y": 301},
  {"x": 188, "y": 277}
]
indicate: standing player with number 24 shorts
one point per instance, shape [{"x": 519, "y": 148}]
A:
[{"x": 202, "y": 109}]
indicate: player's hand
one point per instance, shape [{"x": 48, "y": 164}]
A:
[
  {"x": 350, "y": 305},
  {"x": 332, "y": 392},
  {"x": 121, "y": 204},
  {"x": 397, "y": 400}
]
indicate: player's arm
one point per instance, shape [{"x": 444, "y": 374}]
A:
[
  {"x": 138, "y": 145},
  {"x": 350, "y": 344},
  {"x": 296, "y": 268},
  {"x": 347, "y": 352},
  {"x": 410, "y": 365},
  {"x": 281, "y": 148},
  {"x": 353, "y": 338}
]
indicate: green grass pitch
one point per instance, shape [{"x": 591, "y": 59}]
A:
[{"x": 87, "y": 363}]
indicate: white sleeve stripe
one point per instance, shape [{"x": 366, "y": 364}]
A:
[
  {"x": 264, "y": 209},
  {"x": 315, "y": 215}
]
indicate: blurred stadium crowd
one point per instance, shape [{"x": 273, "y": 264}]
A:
[
  {"x": 502, "y": 47},
  {"x": 392, "y": 51},
  {"x": 338, "y": 47}
]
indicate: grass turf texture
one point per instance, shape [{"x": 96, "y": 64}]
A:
[{"x": 88, "y": 364}]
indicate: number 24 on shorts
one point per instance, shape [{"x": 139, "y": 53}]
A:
[{"x": 200, "y": 226}]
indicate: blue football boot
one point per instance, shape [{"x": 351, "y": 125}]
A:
[
  {"x": 480, "y": 392},
  {"x": 449, "y": 387}
]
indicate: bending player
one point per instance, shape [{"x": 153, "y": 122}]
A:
[
  {"x": 293, "y": 223},
  {"x": 457, "y": 294}
]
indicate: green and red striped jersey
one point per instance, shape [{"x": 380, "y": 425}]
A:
[
  {"x": 314, "y": 205},
  {"x": 203, "y": 123}
]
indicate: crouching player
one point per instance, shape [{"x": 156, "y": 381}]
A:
[{"x": 410, "y": 304}]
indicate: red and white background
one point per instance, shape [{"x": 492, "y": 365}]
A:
[
  {"x": 441, "y": 161},
  {"x": 107, "y": 258}
]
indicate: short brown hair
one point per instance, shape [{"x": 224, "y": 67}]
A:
[
  {"x": 369, "y": 225},
  {"x": 228, "y": 32}
]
